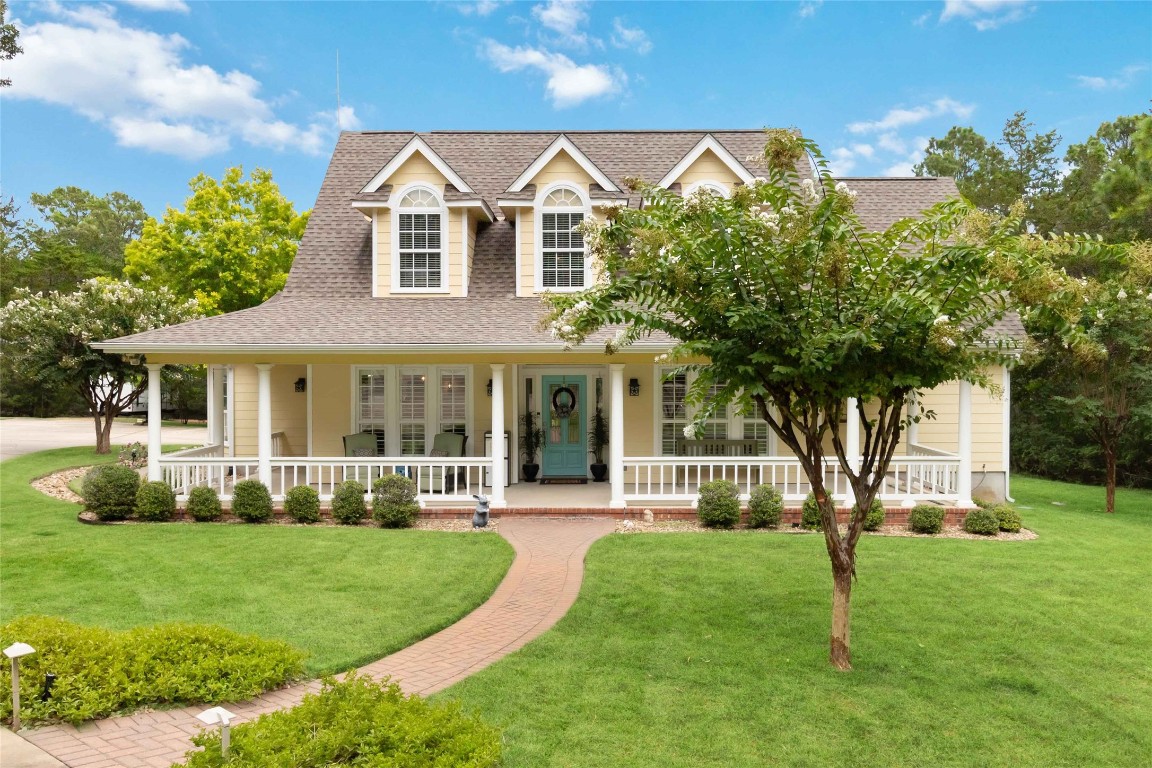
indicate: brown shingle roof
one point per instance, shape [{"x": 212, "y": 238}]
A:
[{"x": 327, "y": 298}]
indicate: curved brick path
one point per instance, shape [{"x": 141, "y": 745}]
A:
[{"x": 539, "y": 588}]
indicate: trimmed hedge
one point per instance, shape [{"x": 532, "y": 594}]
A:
[
  {"x": 875, "y": 517},
  {"x": 1008, "y": 518},
  {"x": 251, "y": 501},
  {"x": 982, "y": 521},
  {"x": 394, "y": 502},
  {"x": 110, "y": 491},
  {"x": 101, "y": 672},
  {"x": 810, "y": 514},
  {"x": 926, "y": 518},
  {"x": 204, "y": 504},
  {"x": 356, "y": 722},
  {"x": 718, "y": 504},
  {"x": 155, "y": 502},
  {"x": 302, "y": 504},
  {"x": 764, "y": 507},
  {"x": 348, "y": 503}
]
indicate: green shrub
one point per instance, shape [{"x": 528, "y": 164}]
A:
[
  {"x": 394, "y": 501},
  {"x": 875, "y": 517},
  {"x": 356, "y": 722},
  {"x": 718, "y": 505},
  {"x": 982, "y": 521},
  {"x": 133, "y": 455},
  {"x": 810, "y": 514},
  {"x": 100, "y": 672},
  {"x": 204, "y": 504},
  {"x": 155, "y": 502},
  {"x": 926, "y": 518},
  {"x": 348, "y": 503},
  {"x": 764, "y": 507},
  {"x": 251, "y": 501},
  {"x": 302, "y": 504},
  {"x": 1009, "y": 518},
  {"x": 110, "y": 491}
]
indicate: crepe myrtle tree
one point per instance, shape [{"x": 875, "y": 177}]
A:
[
  {"x": 796, "y": 306},
  {"x": 49, "y": 339}
]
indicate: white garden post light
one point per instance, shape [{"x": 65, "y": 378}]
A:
[
  {"x": 14, "y": 652},
  {"x": 222, "y": 716}
]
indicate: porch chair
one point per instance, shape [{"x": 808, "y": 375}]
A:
[
  {"x": 361, "y": 445},
  {"x": 433, "y": 479}
]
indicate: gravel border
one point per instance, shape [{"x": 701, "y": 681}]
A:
[{"x": 692, "y": 526}]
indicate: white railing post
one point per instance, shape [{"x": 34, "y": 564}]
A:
[
  {"x": 264, "y": 423},
  {"x": 964, "y": 448},
  {"x": 616, "y": 435},
  {"x": 498, "y": 435},
  {"x": 155, "y": 415}
]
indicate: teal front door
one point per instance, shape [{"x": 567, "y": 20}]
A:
[{"x": 565, "y": 434}]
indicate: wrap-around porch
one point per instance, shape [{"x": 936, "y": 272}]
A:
[{"x": 920, "y": 473}]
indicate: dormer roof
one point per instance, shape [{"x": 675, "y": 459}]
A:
[
  {"x": 416, "y": 145},
  {"x": 562, "y": 144},
  {"x": 707, "y": 144}
]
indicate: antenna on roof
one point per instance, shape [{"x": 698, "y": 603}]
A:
[{"x": 339, "y": 116}]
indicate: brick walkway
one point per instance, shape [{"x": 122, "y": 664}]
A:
[{"x": 540, "y": 587}]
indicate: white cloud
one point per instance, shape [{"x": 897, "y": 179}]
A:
[
  {"x": 568, "y": 84},
  {"x": 892, "y": 143},
  {"x": 481, "y": 8},
  {"x": 842, "y": 160},
  {"x": 864, "y": 150},
  {"x": 177, "y": 6},
  {"x": 808, "y": 8},
  {"x": 1124, "y": 79},
  {"x": 564, "y": 17},
  {"x": 141, "y": 88},
  {"x": 899, "y": 117},
  {"x": 986, "y": 15},
  {"x": 630, "y": 37}
]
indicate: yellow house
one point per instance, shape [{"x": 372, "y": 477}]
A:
[{"x": 413, "y": 310}]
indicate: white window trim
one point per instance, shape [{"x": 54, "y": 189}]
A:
[
  {"x": 538, "y": 234},
  {"x": 445, "y": 253},
  {"x": 720, "y": 186},
  {"x": 734, "y": 421}
]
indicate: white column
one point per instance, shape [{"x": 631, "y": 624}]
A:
[
  {"x": 155, "y": 416},
  {"x": 498, "y": 459},
  {"x": 964, "y": 447},
  {"x": 616, "y": 435},
  {"x": 264, "y": 423},
  {"x": 912, "y": 433},
  {"x": 216, "y": 405},
  {"x": 852, "y": 444},
  {"x": 1006, "y": 459}
]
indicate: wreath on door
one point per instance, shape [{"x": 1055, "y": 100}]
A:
[{"x": 563, "y": 402}]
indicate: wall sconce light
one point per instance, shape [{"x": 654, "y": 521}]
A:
[
  {"x": 134, "y": 359},
  {"x": 489, "y": 387},
  {"x": 633, "y": 387},
  {"x": 301, "y": 385}
]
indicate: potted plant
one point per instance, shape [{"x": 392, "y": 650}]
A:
[
  {"x": 597, "y": 439},
  {"x": 531, "y": 438}
]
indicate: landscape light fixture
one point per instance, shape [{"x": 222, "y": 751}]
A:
[
  {"x": 224, "y": 718},
  {"x": 14, "y": 652}
]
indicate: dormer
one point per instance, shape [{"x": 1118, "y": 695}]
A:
[
  {"x": 424, "y": 218},
  {"x": 708, "y": 165},
  {"x": 549, "y": 200}
]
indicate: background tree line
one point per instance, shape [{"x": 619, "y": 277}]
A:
[{"x": 1076, "y": 416}]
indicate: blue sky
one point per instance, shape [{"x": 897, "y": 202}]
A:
[{"x": 141, "y": 96}]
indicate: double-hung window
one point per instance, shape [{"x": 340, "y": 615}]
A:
[
  {"x": 420, "y": 241},
  {"x": 562, "y": 258}
]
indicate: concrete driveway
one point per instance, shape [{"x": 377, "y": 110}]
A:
[{"x": 19, "y": 435}]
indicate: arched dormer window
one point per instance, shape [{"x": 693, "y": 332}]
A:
[
  {"x": 561, "y": 264},
  {"x": 713, "y": 187},
  {"x": 420, "y": 237}
]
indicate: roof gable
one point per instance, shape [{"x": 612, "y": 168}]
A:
[
  {"x": 416, "y": 145},
  {"x": 562, "y": 144},
  {"x": 706, "y": 144}
]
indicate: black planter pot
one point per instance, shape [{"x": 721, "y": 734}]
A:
[
  {"x": 599, "y": 472},
  {"x": 530, "y": 471}
]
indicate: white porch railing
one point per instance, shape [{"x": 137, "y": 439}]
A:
[{"x": 668, "y": 478}]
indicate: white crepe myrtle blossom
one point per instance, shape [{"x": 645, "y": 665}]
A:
[
  {"x": 941, "y": 319},
  {"x": 808, "y": 188},
  {"x": 1122, "y": 294}
]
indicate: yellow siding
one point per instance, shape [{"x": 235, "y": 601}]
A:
[
  {"x": 417, "y": 169},
  {"x": 561, "y": 168},
  {"x": 332, "y": 416},
  {"x": 708, "y": 167},
  {"x": 987, "y": 423},
  {"x": 289, "y": 410}
]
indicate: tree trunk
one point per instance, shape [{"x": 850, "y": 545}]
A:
[
  {"x": 103, "y": 433},
  {"x": 1110, "y": 481},
  {"x": 840, "y": 650}
]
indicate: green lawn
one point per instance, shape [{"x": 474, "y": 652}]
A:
[
  {"x": 344, "y": 595},
  {"x": 711, "y": 650}
]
